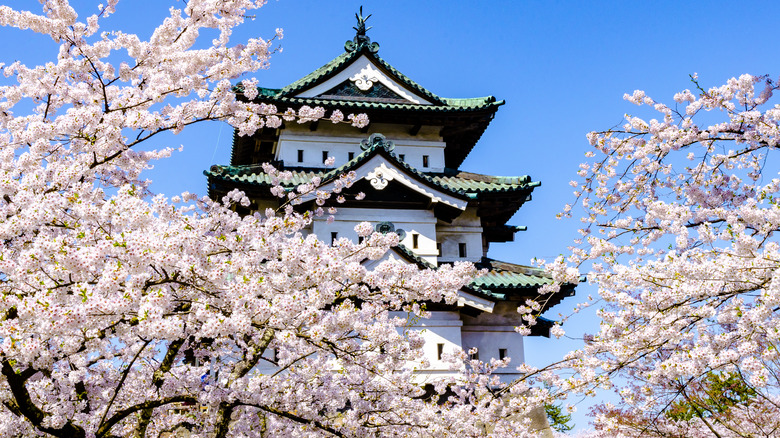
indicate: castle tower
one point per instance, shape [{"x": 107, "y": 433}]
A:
[{"x": 407, "y": 163}]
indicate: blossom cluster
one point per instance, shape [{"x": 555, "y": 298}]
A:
[
  {"x": 680, "y": 223},
  {"x": 127, "y": 314}
]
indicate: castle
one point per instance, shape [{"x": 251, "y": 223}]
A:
[{"x": 406, "y": 161}]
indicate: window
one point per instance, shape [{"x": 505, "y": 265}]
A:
[
  {"x": 324, "y": 156},
  {"x": 361, "y": 239},
  {"x": 300, "y": 155},
  {"x": 474, "y": 355},
  {"x": 438, "y": 248},
  {"x": 461, "y": 250},
  {"x": 350, "y": 155},
  {"x": 402, "y": 157},
  {"x": 333, "y": 236},
  {"x": 439, "y": 351},
  {"x": 415, "y": 240},
  {"x": 425, "y": 160},
  {"x": 501, "y": 353}
]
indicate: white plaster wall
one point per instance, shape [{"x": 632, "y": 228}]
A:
[
  {"x": 468, "y": 218},
  {"x": 421, "y": 222},
  {"x": 451, "y": 238},
  {"x": 339, "y": 146},
  {"x": 467, "y": 229},
  {"x": 489, "y": 339},
  {"x": 394, "y": 131},
  {"x": 492, "y": 331},
  {"x": 443, "y": 327}
]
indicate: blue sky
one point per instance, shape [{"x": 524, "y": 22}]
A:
[{"x": 562, "y": 68}]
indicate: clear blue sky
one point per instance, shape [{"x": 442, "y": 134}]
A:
[{"x": 562, "y": 68}]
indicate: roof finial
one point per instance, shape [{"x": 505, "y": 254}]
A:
[
  {"x": 361, "y": 40},
  {"x": 361, "y": 23},
  {"x": 377, "y": 140}
]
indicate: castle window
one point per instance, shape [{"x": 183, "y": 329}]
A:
[
  {"x": 501, "y": 353},
  {"x": 333, "y": 236},
  {"x": 415, "y": 240},
  {"x": 350, "y": 155},
  {"x": 425, "y": 160},
  {"x": 461, "y": 250},
  {"x": 300, "y": 155},
  {"x": 439, "y": 351},
  {"x": 324, "y": 156},
  {"x": 474, "y": 355}
]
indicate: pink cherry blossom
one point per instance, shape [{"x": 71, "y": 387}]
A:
[
  {"x": 127, "y": 314},
  {"x": 680, "y": 222}
]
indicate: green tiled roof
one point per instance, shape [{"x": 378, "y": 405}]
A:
[
  {"x": 499, "y": 279},
  {"x": 495, "y": 285},
  {"x": 411, "y": 256},
  {"x": 453, "y": 105},
  {"x": 476, "y": 183},
  {"x": 254, "y": 175},
  {"x": 424, "y": 264},
  {"x": 343, "y": 60},
  {"x": 503, "y": 275},
  {"x": 462, "y": 184},
  {"x": 286, "y": 94},
  {"x": 461, "y": 120}
]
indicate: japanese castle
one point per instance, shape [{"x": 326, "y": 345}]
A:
[{"x": 407, "y": 162}]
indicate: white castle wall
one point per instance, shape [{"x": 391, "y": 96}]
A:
[
  {"x": 451, "y": 332},
  {"x": 421, "y": 222},
  {"x": 491, "y": 332},
  {"x": 339, "y": 142},
  {"x": 467, "y": 229}
]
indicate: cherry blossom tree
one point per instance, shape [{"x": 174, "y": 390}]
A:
[
  {"x": 681, "y": 210},
  {"x": 124, "y": 313}
]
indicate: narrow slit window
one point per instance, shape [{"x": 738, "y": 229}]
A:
[
  {"x": 402, "y": 157},
  {"x": 361, "y": 239},
  {"x": 474, "y": 355},
  {"x": 461, "y": 250},
  {"x": 439, "y": 351},
  {"x": 324, "y": 156},
  {"x": 438, "y": 249},
  {"x": 501, "y": 353},
  {"x": 300, "y": 155},
  {"x": 426, "y": 160},
  {"x": 333, "y": 236},
  {"x": 350, "y": 155},
  {"x": 415, "y": 241}
]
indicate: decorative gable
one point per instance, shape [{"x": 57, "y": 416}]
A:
[
  {"x": 380, "y": 169},
  {"x": 373, "y": 92},
  {"x": 362, "y": 75}
]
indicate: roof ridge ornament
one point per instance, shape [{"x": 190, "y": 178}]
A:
[
  {"x": 361, "y": 40},
  {"x": 375, "y": 141}
]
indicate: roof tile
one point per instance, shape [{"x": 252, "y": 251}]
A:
[{"x": 456, "y": 182}]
